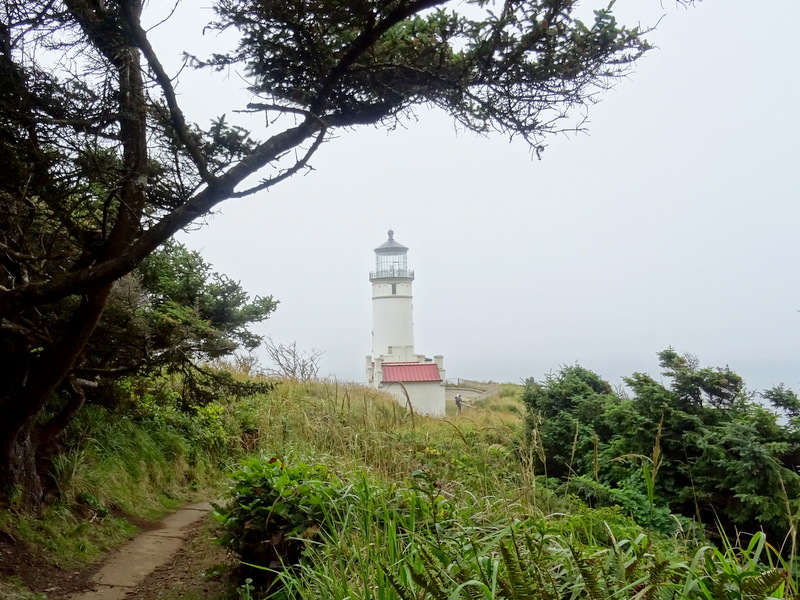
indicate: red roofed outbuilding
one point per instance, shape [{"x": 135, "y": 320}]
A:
[{"x": 408, "y": 372}]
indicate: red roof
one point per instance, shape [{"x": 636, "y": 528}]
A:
[{"x": 410, "y": 372}]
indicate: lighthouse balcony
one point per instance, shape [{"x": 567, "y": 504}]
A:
[{"x": 392, "y": 272}]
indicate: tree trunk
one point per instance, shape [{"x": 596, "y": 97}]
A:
[
  {"x": 20, "y": 480},
  {"x": 19, "y": 439},
  {"x": 24, "y": 404},
  {"x": 47, "y": 435}
]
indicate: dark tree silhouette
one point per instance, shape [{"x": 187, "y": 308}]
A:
[{"x": 100, "y": 166}]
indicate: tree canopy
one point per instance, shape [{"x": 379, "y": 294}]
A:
[
  {"x": 102, "y": 166},
  {"x": 173, "y": 312},
  {"x": 698, "y": 446}
]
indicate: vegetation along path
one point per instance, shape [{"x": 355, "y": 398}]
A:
[{"x": 126, "y": 569}]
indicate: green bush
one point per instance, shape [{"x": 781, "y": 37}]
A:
[
  {"x": 696, "y": 445},
  {"x": 275, "y": 511}
]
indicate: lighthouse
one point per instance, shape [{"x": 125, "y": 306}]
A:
[
  {"x": 415, "y": 380},
  {"x": 392, "y": 320}
]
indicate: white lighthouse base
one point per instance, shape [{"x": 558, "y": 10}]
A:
[{"x": 419, "y": 384}]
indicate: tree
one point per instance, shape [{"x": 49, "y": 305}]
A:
[
  {"x": 697, "y": 446},
  {"x": 291, "y": 362},
  {"x": 192, "y": 314},
  {"x": 101, "y": 166},
  {"x": 785, "y": 400},
  {"x": 171, "y": 315},
  {"x": 564, "y": 411}
]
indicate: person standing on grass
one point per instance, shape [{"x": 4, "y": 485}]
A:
[{"x": 458, "y": 404}]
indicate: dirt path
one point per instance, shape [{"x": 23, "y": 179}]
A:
[{"x": 125, "y": 572}]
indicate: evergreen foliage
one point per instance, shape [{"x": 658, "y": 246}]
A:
[
  {"x": 699, "y": 446},
  {"x": 174, "y": 313},
  {"x": 101, "y": 165},
  {"x": 171, "y": 315}
]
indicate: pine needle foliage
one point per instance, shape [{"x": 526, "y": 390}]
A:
[{"x": 694, "y": 446}]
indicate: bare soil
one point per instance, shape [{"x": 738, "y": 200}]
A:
[{"x": 29, "y": 567}]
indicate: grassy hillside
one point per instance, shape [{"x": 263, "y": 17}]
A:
[
  {"x": 386, "y": 504},
  {"x": 507, "y": 400}
]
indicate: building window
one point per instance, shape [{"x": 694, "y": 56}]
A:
[{"x": 394, "y": 289}]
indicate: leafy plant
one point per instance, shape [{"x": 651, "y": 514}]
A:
[
  {"x": 529, "y": 559},
  {"x": 275, "y": 511},
  {"x": 737, "y": 572}
]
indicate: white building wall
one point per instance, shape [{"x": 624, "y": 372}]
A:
[
  {"x": 392, "y": 319},
  {"x": 427, "y": 397}
]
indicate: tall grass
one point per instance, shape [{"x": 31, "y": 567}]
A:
[
  {"x": 426, "y": 546},
  {"x": 357, "y": 426},
  {"x": 445, "y": 508},
  {"x": 491, "y": 528},
  {"x": 507, "y": 400},
  {"x": 121, "y": 465},
  {"x": 131, "y": 464}
]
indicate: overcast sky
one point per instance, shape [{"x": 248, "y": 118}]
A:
[{"x": 673, "y": 222}]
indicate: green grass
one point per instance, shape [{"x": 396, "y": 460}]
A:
[
  {"x": 71, "y": 539},
  {"x": 429, "y": 508},
  {"x": 507, "y": 400},
  {"x": 359, "y": 428},
  {"x": 137, "y": 468},
  {"x": 118, "y": 467},
  {"x": 392, "y": 541},
  {"x": 490, "y": 522}
]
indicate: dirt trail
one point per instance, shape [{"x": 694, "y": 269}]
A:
[{"x": 131, "y": 564}]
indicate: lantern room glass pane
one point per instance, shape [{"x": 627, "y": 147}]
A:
[{"x": 391, "y": 265}]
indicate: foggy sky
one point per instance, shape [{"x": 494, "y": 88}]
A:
[{"x": 672, "y": 223}]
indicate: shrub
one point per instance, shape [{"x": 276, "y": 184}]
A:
[{"x": 274, "y": 512}]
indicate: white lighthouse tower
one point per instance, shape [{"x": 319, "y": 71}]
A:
[
  {"x": 412, "y": 378},
  {"x": 392, "y": 320}
]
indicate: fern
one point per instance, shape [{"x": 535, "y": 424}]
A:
[
  {"x": 400, "y": 588},
  {"x": 506, "y": 591},
  {"x": 720, "y": 588},
  {"x": 518, "y": 563},
  {"x": 484, "y": 566},
  {"x": 764, "y": 584},
  {"x": 590, "y": 582},
  {"x": 518, "y": 582},
  {"x": 472, "y": 591},
  {"x": 536, "y": 547},
  {"x": 429, "y": 577},
  {"x": 429, "y": 584},
  {"x": 656, "y": 575},
  {"x": 463, "y": 572}
]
